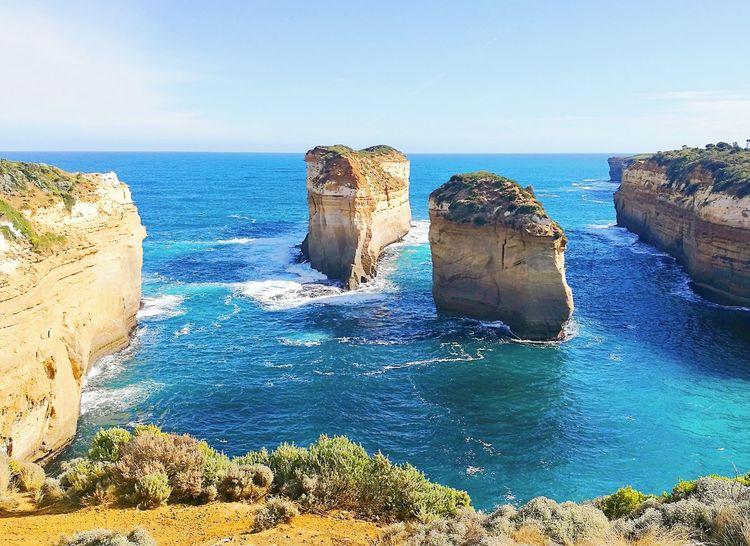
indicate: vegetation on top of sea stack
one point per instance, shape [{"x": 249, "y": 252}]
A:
[
  {"x": 728, "y": 165},
  {"x": 19, "y": 226},
  {"x": 483, "y": 197},
  {"x": 329, "y": 152}
]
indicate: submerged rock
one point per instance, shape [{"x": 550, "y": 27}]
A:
[
  {"x": 70, "y": 287},
  {"x": 695, "y": 204},
  {"x": 358, "y": 204},
  {"x": 497, "y": 255}
]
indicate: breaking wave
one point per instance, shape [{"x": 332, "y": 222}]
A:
[{"x": 161, "y": 307}]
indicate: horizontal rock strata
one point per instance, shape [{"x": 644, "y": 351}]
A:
[
  {"x": 497, "y": 255},
  {"x": 695, "y": 204},
  {"x": 358, "y": 204},
  {"x": 70, "y": 286}
]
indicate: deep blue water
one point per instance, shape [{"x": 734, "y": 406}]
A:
[{"x": 231, "y": 347}]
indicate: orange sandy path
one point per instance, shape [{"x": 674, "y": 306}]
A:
[{"x": 178, "y": 525}]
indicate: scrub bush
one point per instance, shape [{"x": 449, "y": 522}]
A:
[
  {"x": 152, "y": 490},
  {"x": 275, "y": 511},
  {"x": 246, "y": 482},
  {"x": 81, "y": 478},
  {"x": 179, "y": 457},
  {"x": 105, "y": 537},
  {"x": 337, "y": 473},
  {"x": 50, "y": 492},
  {"x": 106, "y": 444},
  {"x": 563, "y": 523},
  {"x": 622, "y": 502},
  {"x": 30, "y": 477}
]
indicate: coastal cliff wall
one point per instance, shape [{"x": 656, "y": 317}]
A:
[
  {"x": 358, "y": 204},
  {"x": 617, "y": 166},
  {"x": 695, "y": 215},
  {"x": 70, "y": 287},
  {"x": 496, "y": 255}
]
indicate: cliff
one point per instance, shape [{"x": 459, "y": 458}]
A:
[
  {"x": 70, "y": 277},
  {"x": 695, "y": 204},
  {"x": 497, "y": 255},
  {"x": 358, "y": 204},
  {"x": 617, "y": 165}
]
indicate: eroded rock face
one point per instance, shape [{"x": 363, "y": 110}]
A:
[
  {"x": 697, "y": 213},
  {"x": 70, "y": 287},
  {"x": 497, "y": 255},
  {"x": 358, "y": 203},
  {"x": 617, "y": 165}
]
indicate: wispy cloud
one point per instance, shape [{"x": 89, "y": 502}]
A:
[{"x": 56, "y": 76}]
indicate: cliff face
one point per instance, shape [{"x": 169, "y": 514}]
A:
[
  {"x": 698, "y": 213},
  {"x": 358, "y": 203},
  {"x": 70, "y": 278},
  {"x": 617, "y": 165},
  {"x": 496, "y": 255}
]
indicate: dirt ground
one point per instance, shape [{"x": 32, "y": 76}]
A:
[{"x": 177, "y": 525}]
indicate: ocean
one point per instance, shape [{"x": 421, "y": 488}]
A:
[{"x": 243, "y": 346}]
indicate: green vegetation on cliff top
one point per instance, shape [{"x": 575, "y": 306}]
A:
[
  {"x": 23, "y": 227},
  {"x": 147, "y": 468},
  {"x": 483, "y": 197},
  {"x": 728, "y": 164},
  {"x": 16, "y": 176},
  {"x": 341, "y": 149}
]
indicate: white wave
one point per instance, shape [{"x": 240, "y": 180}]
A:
[
  {"x": 419, "y": 234},
  {"x": 185, "y": 330},
  {"x": 602, "y": 226},
  {"x": 683, "y": 290},
  {"x": 110, "y": 365},
  {"x": 161, "y": 307},
  {"x": 571, "y": 330},
  {"x": 240, "y": 217},
  {"x": 236, "y": 241},
  {"x": 109, "y": 399},
  {"x": 279, "y": 294}
]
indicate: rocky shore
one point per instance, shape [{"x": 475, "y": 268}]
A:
[
  {"x": 70, "y": 287},
  {"x": 497, "y": 255},
  {"x": 358, "y": 204},
  {"x": 695, "y": 204}
]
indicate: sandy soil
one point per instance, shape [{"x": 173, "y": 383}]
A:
[{"x": 177, "y": 525}]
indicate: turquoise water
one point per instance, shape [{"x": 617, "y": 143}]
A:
[{"x": 240, "y": 345}]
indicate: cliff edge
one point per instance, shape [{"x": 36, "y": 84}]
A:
[
  {"x": 358, "y": 204},
  {"x": 695, "y": 204},
  {"x": 70, "y": 287},
  {"x": 497, "y": 255},
  {"x": 617, "y": 166}
]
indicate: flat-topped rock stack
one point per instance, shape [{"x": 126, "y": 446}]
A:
[
  {"x": 70, "y": 287},
  {"x": 497, "y": 255},
  {"x": 695, "y": 204},
  {"x": 358, "y": 203}
]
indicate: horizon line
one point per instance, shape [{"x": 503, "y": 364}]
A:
[{"x": 293, "y": 152}]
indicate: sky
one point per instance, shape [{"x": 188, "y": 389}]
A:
[{"x": 423, "y": 76}]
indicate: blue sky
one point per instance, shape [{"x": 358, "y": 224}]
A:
[{"x": 485, "y": 76}]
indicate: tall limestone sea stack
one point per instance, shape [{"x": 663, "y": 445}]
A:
[
  {"x": 358, "y": 203},
  {"x": 70, "y": 287},
  {"x": 497, "y": 255},
  {"x": 695, "y": 204}
]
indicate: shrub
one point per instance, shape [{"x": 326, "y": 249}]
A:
[
  {"x": 682, "y": 490},
  {"x": 82, "y": 477},
  {"x": 105, "y": 537},
  {"x": 622, "y": 502},
  {"x": 275, "y": 511},
  {"x": 563, "y": 523},
  {"x": 731, "y": 526},
  {"x": 152, "y": 490},
  {"x": 30, "y": 477},
  {"x": 246, "y": 482},
  {"x": 215, "y": 465},
  {"x": 106, "y": 444},
  {"x": 180, "y": 457},
  {"x": 50, "y": 492},
  {"x": 337, "y": 473}
]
